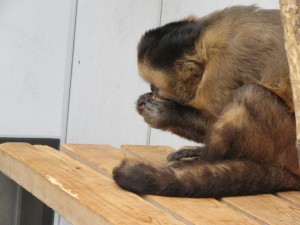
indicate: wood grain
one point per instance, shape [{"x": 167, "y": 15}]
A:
[
  {"x": 188, "y": 210},
  {"x": 74, "y": 190},
  {"x": 156, "y": 155},
  {"x": 267, "y": 208},
  {"x": 102, "y": 158},
  {"x": 293, "y": 196}
]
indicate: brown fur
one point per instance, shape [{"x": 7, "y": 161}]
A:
[{"x": 226, "y": 79}]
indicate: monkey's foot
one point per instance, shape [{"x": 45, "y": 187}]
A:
[{"x": 137, "y": 177}]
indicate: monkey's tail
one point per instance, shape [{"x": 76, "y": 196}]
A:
[{"x": 202, "y": 179}]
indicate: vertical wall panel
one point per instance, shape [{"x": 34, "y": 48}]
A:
[
  {"x": 105, "y": 82},
  {"x": 173, "y": 10},
  {"x": 34, "y": 47},
  {"x": 34, "y": 40}
]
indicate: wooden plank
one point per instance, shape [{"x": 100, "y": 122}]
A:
[
  {"x": 293, "y": 196},
  {"x": 156, "y": 155},
  {"x": 202, "y": 211},
  {"x": 196, "y": 211},
  {"x": 267, "y": 208},
  {"x": 74, "y": 190},
  {"x": 102, "y": 158}
]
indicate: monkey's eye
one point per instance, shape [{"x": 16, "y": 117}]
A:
[{"x": 152, "y": 87}]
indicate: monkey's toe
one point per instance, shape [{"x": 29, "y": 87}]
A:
[{"x": 186, "y": 153}]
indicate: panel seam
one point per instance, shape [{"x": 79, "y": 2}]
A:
[
  {"x": 69, "y": 77},
  {"x": 148, "y": 140}
]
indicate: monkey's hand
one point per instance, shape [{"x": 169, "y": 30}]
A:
[
  {"x": 170, "y": 116},
  {"x": 157, "y": 113}
]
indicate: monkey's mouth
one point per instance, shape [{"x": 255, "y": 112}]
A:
[{"x": 156, "y": 96}]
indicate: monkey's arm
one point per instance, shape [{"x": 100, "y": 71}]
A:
[{"x": 170, "y": 116}]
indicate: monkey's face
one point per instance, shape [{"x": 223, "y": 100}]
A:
[
  {"x": 178, "y": 83},
  {"x": 158, "y": 81},
  {"x": 170, "y": 90},
  {"x": 169, "y": 62}
]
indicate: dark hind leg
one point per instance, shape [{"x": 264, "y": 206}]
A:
[{"x": 198, "y": 179}]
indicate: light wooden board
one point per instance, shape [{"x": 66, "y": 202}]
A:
[
  {"x": 267, "y": 208},
  {"x": 188, "y": 210},
  {"x": 74, "y": 190},
  {"x": 154, "y": 154},
  {"x": 293, "y": 196},
  {"x": 102, "y": 158}
]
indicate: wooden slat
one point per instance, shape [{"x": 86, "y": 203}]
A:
[
  {"x": 102, "y": 158},
  {"x": 74, "y": 190},
  {"x": 293, "y": 196},
  {"x": 154, "y": 154},
  {"x": 267, "y": 208},
  {"x": 196, "y": 211},
  {"x": 202, "y": 211}
]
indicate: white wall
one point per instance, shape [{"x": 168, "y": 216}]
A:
[
  {"x": 35, "y": 45},
  {"x": 38, "y": 69},
  {"x": 105, "y": 85}
]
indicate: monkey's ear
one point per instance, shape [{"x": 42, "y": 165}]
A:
[{"x": 188, "y": 68}]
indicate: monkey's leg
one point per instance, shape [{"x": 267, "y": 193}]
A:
[
  {"x": 200, "y": 179},
  {"x": 182, "y": 120},
  {"x": 255, "y": 125}
]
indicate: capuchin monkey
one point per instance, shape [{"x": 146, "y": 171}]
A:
[{"x": 221, "y": 80}]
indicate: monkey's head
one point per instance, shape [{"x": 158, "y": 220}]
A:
[
  {"x": 200, "y": 62},
  {"x": 168, "y": 61}
]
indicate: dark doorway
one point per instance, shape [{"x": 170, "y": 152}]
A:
[{"x": 32, "y": 210}]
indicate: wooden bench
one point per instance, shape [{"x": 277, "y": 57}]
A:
[{"x": 77, "y": 184}]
